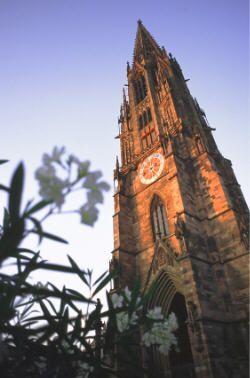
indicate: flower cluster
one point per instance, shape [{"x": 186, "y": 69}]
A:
[
  {"x": 51, "y": 186},
  {"x": 161, "y": 333},
  {"x": 55, "y": 187},
  {"x": 159, "y": 328},
  {"x": 123, "y": 319}
]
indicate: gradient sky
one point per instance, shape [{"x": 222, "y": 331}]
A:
[{"x": 62, "y": 68}]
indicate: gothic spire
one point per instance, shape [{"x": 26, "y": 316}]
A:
[{"x": 144, "y": 42}]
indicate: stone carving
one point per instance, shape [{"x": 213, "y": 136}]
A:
[
  {"x": 165, "y": 142},
  {"x": 164, "y": 256},
  {"x": 113, "y": 265},
  {"x": 181, "y": 233}
]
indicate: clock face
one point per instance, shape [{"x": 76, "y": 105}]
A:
[{"x": 151, "y": 168}]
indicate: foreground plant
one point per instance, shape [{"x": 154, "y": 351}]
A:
[{"x": 46, "y": 331}]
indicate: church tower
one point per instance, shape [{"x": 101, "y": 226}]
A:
[{"x": 180, "y": 219}]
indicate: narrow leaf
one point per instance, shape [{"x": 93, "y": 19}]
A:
[
  {"x": 3, "y": 161},
  {"x": 104, "y": 282},
  {"x": 40, "y": 205},
  {"x": 5, "y": 188},
  {"x": 16, "y": 189},
  {"x": 50, "y": 236},
  {"x": 100, "y": 278},
  {"x": 78, "y": 271}
]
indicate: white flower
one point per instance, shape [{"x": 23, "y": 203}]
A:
[
  {"x": 57, "y": 152},
  {"x": 127, "y": 293},
  {"x": 45, "y": 172},
  {"x": 51, "y": 186},
  {"x": 56, "y": 155},
  {"x": 89, "y": 214},
  {"x": 172, "y": 321},
  {"x": 91, "y": 180},
  {"x": 161, "y": 335},
  {"x": 94, "y": 197},
  {"x": 148, "y": 339},
  {"x": 155, "y": 313},
  {"x": 138, "y": 303},
  {"x": 117, "y": 300},
  {"x": 103, "y": 186},
  {"x": 133, "y": 319},
  {"x": 73, "y": 159},
  {"x": 122, "y": 321},
  {"x": 83, "y": 168}
]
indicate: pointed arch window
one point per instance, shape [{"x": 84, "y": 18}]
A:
[
  {"x": 140, "y": 89},
  {"x": 147, "y": 129},
  {"x": 159, "y": 219}
]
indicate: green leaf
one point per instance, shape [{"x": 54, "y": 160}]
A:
[
  {"x": 10, "y": 239},
  {"x": 80, "y": 296},
  {"x": 104, "y": 282},
  {"x": 55, "y": 267},
  {"x": 45, "y": 310},
  {"x": 39, "y": 206},
  {"x": 3, "y": 161},
  {"x": 78, "y": 271},
  {"x": 49, "y": 236},
  {"x": 38, "y": 227},
  {"x": 5, "y": 188},
  {"x": 100, "y": 278},
  {"x": 6, "y": 219},
  {"x": 64, "y": 322},
  {"x": 16, "y": 189}
]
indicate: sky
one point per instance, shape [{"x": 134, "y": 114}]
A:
[{"x": 62, "y": 69}]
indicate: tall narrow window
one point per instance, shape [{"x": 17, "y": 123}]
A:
[
  {"x": 140, "y": 89},
  {"x": 147, "y": 129},
  {"x": 140, "y": 122},
  {"x": 159, "y": 219},
  {"x": 149, "y": 115}
]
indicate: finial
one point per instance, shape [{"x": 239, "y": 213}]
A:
[
  {"x": 117, "y": 164},
  {"x": 139, "y": 22},
  {"x": 128, "y": 67},
  {"x": 163, "y": 50}
]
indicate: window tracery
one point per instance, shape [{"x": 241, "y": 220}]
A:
[
  {"x": 159, "y": 219},
  {"x": 147, "y": 129},
  {"x": 140, "y": 89}
]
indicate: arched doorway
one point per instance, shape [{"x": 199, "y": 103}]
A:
[
  {"x": 182, "y": 361},
  {"x": 168, "y": 294}
]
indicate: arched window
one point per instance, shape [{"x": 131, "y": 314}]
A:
[
  {"x": 140, "y": 122},
  {"x": 145, "y": 121},
  {"x": 147, "y": 129},
  {"x": 149, "y": 115},
  {"x": 140, "y": 89},
  {"x": 159, "y": 219}
]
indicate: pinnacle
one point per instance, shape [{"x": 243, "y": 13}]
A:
[{"x": 144, "y": 41}]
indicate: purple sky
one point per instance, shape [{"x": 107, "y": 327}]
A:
[{"x": 62, "y": 68}]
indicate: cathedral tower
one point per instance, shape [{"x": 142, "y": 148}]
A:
[{"x": 180, "y": 219}]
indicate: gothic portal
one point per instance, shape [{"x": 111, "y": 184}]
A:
[{"x": 180, "y": 219}]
